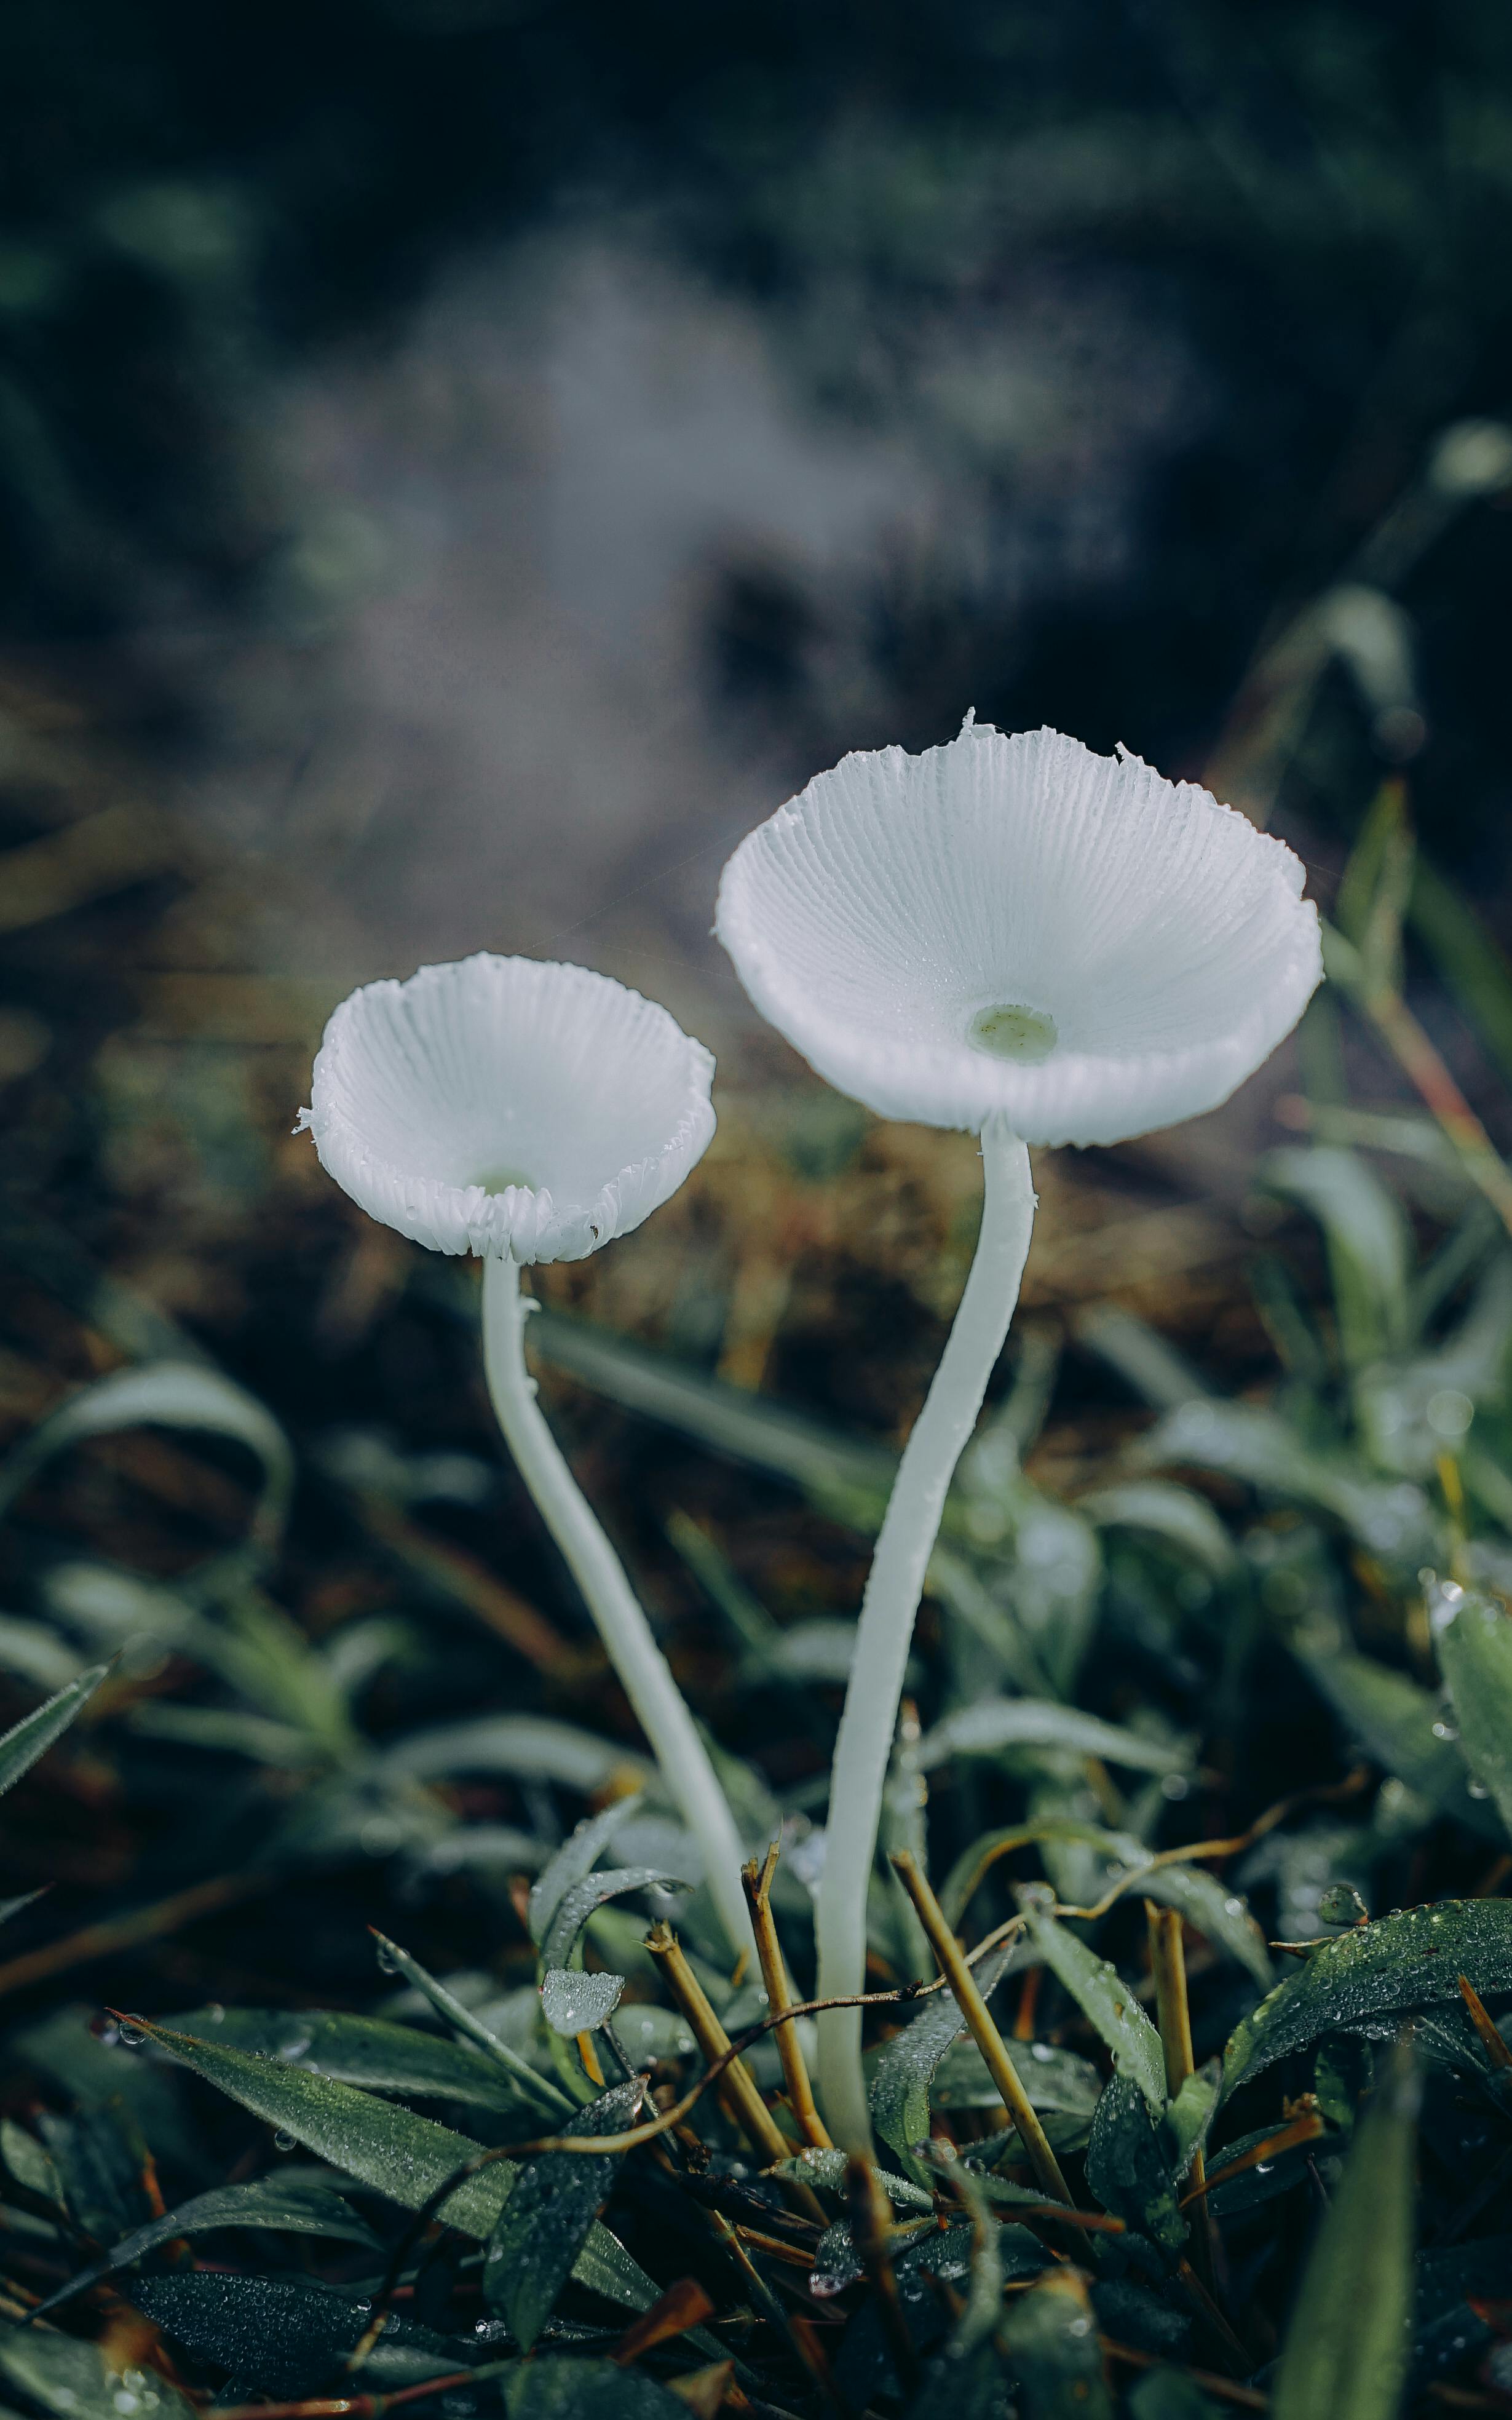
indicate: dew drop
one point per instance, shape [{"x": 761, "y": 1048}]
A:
[
  {"x": 131, "y": 2037},
  {"x": 1478, "y": 1789},
  {"x": 283, "y": 2142},
  {"x": 387, "y": 1962}
]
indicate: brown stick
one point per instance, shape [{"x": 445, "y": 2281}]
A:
[
  {"x": 737, "y": 2087},
  {"x": 1174, "y": 2015},
  {"x": 1421, "y": 1063},
  {"x": 985, "y": 2033},
  {"x": 125, "y": 1931},
  {"x": 1210, "y": 2383},
  {"x": 1305, "y": 2129},
  {"x": 1484, "y": 2024},
  {"x": 779, "y": 1999},
  {"x": 1028, "y": 1832}
]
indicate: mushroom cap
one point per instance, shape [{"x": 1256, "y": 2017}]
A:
[
  {"x": 508, "y": 1105},
  {"x": 1014, "y": 925}
]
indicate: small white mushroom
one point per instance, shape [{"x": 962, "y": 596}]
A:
[
  {"x": 1013, "y": 936},
  {"x": 509, "y": 1107},
  {"x": 525, "y": 1111}
]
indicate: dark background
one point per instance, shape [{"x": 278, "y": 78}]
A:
[{"x": 483, "y": 452}]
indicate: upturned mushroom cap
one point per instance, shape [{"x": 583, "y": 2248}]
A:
[
  {"x": 509, "y": 1106},
  {"x": 1013, "y": 924}
]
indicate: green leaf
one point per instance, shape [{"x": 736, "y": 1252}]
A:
[
  {"x": 530, "y": 1747},
  {"x": 901, "y": 2080},
  {"x": 1399, "y": 1726},
  {"x": 1364, "y": 1979},
  {"x": 167, "y": 1394},
  {"x": 36, "y": 1652},
  {"x": 374, "y": 2053},
  {"x": 1467, "y": 958},
  {"x": 30, "y": 2163},
  {"x": 827, "y": 2168},
  {"x": 544, "y": 2224},
  {"x": 405, "y": 2157},
  {"x": 1168, "y": 2395},
  {"x": 529, "y": 2087},
  {"x": 1059, "y": 2083},
  {"x": 287, "y": 2337},
  {"x": 288, "y": 2207},
  {"x": 1244, "y": 1441},
  {"x": 1128, "y": 2165},
  {"x": 569, "y": 2386},
  {"x": 726, "y": 1420},
  {"x": 74, "y": 2380},
  {"x": 1176, "y": 1516},
  {"x": 959, "y": 2387},
  {"x": 1370, "y": 1249},
  {"x": 576, "y": 1858},
  {"x": 1473, "y": 1638},
  {"x": 993, "y": 1723},
  {"x": 1050, "y": 2338},
  {"x": 1345, "y": 2350},
  {"x": 577, "y": 1905},
  {"x": 1103, "y": 1995},
  {"x": 98, "y": 2157},
  {"x": 94, "y": 2072},
  {"x": 1208, "y": 1905},
  {"x": 35, "y": 1733},
  {"x": 574, "y": 2002},
  {"x": 1262, "y": 2182}
]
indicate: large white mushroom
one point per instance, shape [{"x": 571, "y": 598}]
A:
[
  {"x": 1013, "y": 936},
  {"x": 525, "y": 1111}
]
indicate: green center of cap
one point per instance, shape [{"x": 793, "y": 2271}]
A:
[
  {"x": 498, "y": 1180},
  {"x": 1011, "y": 1031}
]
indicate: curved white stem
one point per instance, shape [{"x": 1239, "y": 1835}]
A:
[
  {"x": 887, "y": 1610},
  {"x": 644, "y": 1670}
]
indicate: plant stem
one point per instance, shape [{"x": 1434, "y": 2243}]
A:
[
  {"x": 1167, "y": 1963},
  {"x": 643, "y": 1671},
  {"x": 774, "y": 1975},
  {"x": 975, "y": 2014},
  {"x": 887, "y": 1610}
]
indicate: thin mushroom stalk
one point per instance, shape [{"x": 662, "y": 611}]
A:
[
  {"x": 524, "y": 1112},
  {"x": 1012, "y": 936},
  {"x": 889, "y": 1605},
  {"x": 644, "y": 1674}
]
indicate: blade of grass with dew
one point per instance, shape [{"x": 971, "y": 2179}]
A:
[
  {"x": 1472, "y": 1636},
  {"x": 1368, "y": 1978},
  {"x": 1103, "y": 1997},
  {"x": 405, "y": 2157},
  {"x": 35, "y": 1732},
  {"x": 1345, "y": 2350}
]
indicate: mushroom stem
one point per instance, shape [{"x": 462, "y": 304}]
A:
[
  {"x": 887, "y": 1610},
  {"x": 644, "y": 1674}
]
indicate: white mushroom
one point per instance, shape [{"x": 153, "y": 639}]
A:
[
  {"x": 1014, "y": 936},
  {"x": 524, "y": 1112}
]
